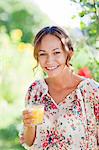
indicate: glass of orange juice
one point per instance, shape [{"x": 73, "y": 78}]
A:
[{"x": 38, "y": 113}]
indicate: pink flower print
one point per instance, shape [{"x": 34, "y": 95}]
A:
[
  {"x": 85, "y": 91},
  {"x": 96, "y": 111},
  {"x": 97, "y": 97},
  {"x": 45, "y": 144},
  {"x": 53, "y": 106},
  {"x": 53, "y": 138},
  {"x": 75, "y": 97},
  {"x": 43, "y": 99},
  {"x": 95, "y": 90},
  {"x": 40, "y": 93},
  {"x": 64, "y": 116},
  {"x": 35, "y": 97},
  {"x": 61, "y": 145},
  {"x": 34, "y": 84},
  {"x": 76, "y": 107},
  {"x": 91, "y": 99},
  {"x": 64, "y": 102},
  {"x": 55, "y": 133},
  {"x": 93, "y": 93},
  {"x": 69, "y": 115}
]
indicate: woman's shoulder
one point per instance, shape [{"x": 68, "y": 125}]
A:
[
  {"x": 35, "y": 91},
  {"x": 89, "y": 83},
  {"x": 90, "y": 89},
  {"x": 37, "y": 85},
  {"x": 92, "y": 84}
]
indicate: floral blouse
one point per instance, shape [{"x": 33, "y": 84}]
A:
[{"x": 69, "y": 125}]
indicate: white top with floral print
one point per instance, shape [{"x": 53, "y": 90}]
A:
[{"x": 69, "y": 125}]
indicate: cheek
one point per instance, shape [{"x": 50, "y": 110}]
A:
[
  {"x": 41, "y": 61},
  {"x": 62, "y": 60}
]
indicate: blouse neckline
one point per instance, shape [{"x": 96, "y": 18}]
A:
[{"x": 69, "y": 95}]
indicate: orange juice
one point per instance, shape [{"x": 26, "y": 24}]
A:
[{"x": 38, "y": 114}]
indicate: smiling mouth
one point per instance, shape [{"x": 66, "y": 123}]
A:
[{"x": 51, "y": 68}]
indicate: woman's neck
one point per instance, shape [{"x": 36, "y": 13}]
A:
[{"x": 62, "y": 81}]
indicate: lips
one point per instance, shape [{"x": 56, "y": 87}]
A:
[{"x": 51, "y": 68}]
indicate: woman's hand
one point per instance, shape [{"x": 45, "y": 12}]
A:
[
  {"x": 21, "y": 140},
  {"x": 27, "y": 118},
  {"x": 29, "y": 130}
]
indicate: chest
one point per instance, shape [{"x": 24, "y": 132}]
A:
[{"x": 59, "y": 96}]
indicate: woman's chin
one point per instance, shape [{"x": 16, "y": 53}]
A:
[{"x": 54, "y": 73}]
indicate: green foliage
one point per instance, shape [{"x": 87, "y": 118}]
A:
[
  {"x": 87, "y": 48},
  {"x": 7, "y": 93},
  {"x": 9, "y": 121},
  {"x": 82, "y": 25},
  {"x": 22, "y": 15},
  {"x": 13, "y": 69},
  {"x": 19, "y": 21},
  {"x": 94, "y": 67},
  {"x": 9, "y": 138},
  {"x": 84, "y": 57},
  {"x": 90, "y": 10}
]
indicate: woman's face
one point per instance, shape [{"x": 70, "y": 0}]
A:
[{"x": 51, "y": 55}]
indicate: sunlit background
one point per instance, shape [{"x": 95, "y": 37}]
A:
[{"x": 19, "y": 22}]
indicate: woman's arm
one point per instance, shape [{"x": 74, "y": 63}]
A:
[
  {"x": 29, "y": 135},
  {"x": 29, "y": 132}
]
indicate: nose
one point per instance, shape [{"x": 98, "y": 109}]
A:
[{"x": 50, "y": 59}]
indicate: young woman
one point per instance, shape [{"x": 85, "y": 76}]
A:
[{"x": 69, "y": 99}]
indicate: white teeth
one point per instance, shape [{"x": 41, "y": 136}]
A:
[{"x": 51, "y": 68}]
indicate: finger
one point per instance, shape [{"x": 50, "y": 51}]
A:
[
  {"x": 22, "y": 140},
  {"x": 27, "y": 116},
  {"x": 25, "y": 112},
  {"x": 27, "y": 121}
]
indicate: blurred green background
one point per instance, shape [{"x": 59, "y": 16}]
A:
[{"x": 19, "y": 22}]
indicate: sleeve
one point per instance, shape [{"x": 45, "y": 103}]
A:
[
  {"x": 90, "y": 94},
  {"x": 95, "y": 94},
  {"x": 29, "y": 98},
  {"x": 95, "y": 86}
]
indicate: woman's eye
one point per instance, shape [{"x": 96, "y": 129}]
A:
[
  {"x": 43, "y": 54},
  {"x": 56, "y": 53}
]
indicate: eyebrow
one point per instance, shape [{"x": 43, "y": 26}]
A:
[{"x": 41, "y": 50}]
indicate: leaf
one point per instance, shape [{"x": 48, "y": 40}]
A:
[
  {"x": 82, "y": 25},
  {"x": 89, "y": 5},
  {"x": 82, "y": 14}
]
